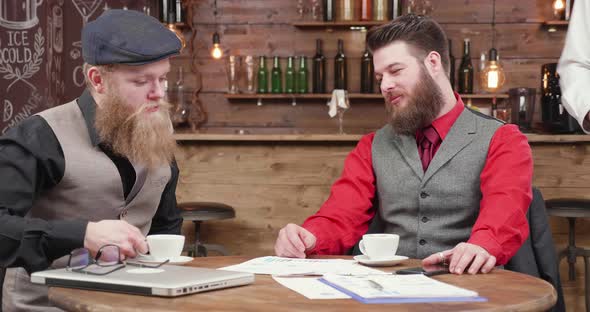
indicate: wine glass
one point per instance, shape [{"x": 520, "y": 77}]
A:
[
  {"x": 300, "y": 9},
  {"x": 316, "y": 10},
  {"x": 340, "y": 109}
]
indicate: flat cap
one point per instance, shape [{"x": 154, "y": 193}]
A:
[{"x": 127, "y": 37}]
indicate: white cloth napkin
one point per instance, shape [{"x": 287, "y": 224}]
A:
[{"x": 339, "y": 99}]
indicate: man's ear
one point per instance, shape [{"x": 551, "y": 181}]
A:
[
  {"x": 433, "y": 63},
  {"x": 96, "y": 78}
]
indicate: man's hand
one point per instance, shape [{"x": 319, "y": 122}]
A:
[
  {"x": 293, "y": 241},
  {"x": 116, "y": 232},
  {"x": 464, "y": 255}
]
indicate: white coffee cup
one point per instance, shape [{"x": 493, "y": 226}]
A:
[
  {"x": 165, "y": 246},
  {"x": 379, "y": 246}
]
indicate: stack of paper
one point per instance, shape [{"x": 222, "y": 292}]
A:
[
  {"x": 398, "y": 288},
  {"x": 291, "y": 266}
]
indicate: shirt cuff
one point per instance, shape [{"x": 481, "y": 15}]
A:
[
  {"x": 65, "y": 236},
  {"x": 315, "y": 250},
  {"x": 486, "y": 241}
]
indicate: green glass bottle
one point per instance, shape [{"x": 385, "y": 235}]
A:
[
  {"x": 276, "y": 77},
  {"x": 367, "y": 72},
  {"x": 290, "y": 76},
  {"x": 319, "y": 70},
  {"x": 262, "y": 76},
  {"x": 302, "y": 76},
  {"x": 340, "y": 68},
  {"x": 466, "y": 70}
]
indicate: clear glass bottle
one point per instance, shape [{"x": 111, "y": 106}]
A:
[
  {"x": 366, "y": 9},
  {"x": 346, "y": 10},
  {"x": 380, "y": 10},
  {"x": 328, "y": 10}
]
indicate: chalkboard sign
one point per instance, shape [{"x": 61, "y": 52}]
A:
[{"x": 41, "y": 52}]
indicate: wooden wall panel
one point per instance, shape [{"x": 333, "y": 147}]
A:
[{"x": 273, "y": 184}]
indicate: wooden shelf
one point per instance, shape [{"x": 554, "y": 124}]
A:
[
  {"x": 485, "y": 96},
  {"x": 359, "y": 24},
  {"x": 552, "y": 26},
  {"x": 556, "y": 23},
  {"x": 532, "y": 137},
  {"x": 352, "y": 96},
  {"x": 310, "y": 96},
  {"x": 268, "y": 137}
]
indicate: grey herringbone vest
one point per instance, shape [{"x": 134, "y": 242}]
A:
[
  {"x": 91, "y": 190},
  {"x": 436, "y": 209}
]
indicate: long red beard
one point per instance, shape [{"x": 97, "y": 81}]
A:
[
  {"x": 143, "y": 138},
  {"x": 424, "y": 104}
]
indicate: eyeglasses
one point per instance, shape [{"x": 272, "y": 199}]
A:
[{"x": 107, "y": 260}]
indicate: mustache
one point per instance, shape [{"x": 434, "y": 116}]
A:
[
  {"x": 161, "y": 104},
  {"x": 389, "y": 96}
]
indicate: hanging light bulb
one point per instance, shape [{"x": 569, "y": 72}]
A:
[
  {"x": 559, "y": 9},
  {"x": 216, "y": 51},
  {"x": 492, "y": 76}
]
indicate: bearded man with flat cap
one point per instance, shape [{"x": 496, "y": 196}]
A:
[{"x": 96, "y": 171}]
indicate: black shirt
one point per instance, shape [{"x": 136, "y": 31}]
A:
[{"x": 31, "y": 163}]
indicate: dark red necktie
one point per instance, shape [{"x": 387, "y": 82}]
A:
[{"x": 427, "y": 146}]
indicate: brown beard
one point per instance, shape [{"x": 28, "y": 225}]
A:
[
  {"x": 424, "y": 104},
  {"x": 143, "y": 138}
]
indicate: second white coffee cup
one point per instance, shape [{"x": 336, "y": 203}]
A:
[
  {"x": 379, "y": 246},
  {"x": 165, "y": 246}
]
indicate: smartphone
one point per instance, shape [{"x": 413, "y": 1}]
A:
[{"x": 429, "y": 270}]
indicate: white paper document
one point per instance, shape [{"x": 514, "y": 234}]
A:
[
  {"x": 310, "y": 287},
  {"x": 397, "y": 286},
  {"x": 290, "y": 266}
]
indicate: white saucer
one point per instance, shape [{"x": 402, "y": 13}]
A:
[
  {"x": 380, "y": 262},
  {"x": 175, "y": 260}
]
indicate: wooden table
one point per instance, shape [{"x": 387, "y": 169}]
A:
[{"x": 505, "y": 290}]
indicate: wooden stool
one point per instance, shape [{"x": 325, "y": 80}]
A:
[
  {"x": 572, "y": 209},
  {"x": 203, "y": 211}
]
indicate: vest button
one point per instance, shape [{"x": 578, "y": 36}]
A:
[
  {"x": 422, "y": 242},
  {"x": 425, "y": 219},
  {"x": 423, "y": 195}
]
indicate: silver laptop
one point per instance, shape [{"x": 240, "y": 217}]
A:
[{"x": 166, "y": 281}]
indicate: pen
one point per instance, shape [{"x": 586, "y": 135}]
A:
[{"x": 375, "y": 285}]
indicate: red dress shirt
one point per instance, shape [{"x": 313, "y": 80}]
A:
[{"x": 505, "y": 181}]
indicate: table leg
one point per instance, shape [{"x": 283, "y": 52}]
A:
[
  {"x": 571, "y": 253},
  {"x": 587, "y": 282}
]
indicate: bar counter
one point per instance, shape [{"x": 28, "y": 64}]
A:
[{"x": 275, "y": 179}]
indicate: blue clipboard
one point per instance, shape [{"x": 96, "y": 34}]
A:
[{"x": 403, "y": 300}]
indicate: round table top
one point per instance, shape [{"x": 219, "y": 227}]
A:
[{"x": 505, "y": 291}]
